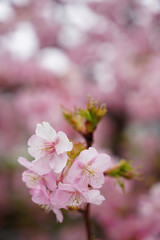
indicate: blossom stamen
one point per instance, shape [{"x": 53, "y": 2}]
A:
[
  {"x": 49, "y": 147},
  {"x": 90, "y": 173},
  {"x": 76, "y": 201},
  {"x": 32, "y": 179}
]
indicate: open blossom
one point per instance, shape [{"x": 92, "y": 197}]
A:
[
  {"x": 40, "y": 187},
  {"x": 32, "y": 179},
  {"x": 49, "y": 149},
  {"x": 68, "y": 195},
  {"x": 55, "y": 185},
  {"x": 89, "y": 166}
]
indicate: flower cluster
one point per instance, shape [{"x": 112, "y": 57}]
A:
[{"x": 56, "y": 181}]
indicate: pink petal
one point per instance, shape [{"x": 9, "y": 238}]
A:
[
  {"x": 102, "y": 162},
  {"x": 63, "y": 144},
  {"x": 36, "y": 144},
  {"x": 75, "y": 172},
  {"x": 45, "y": 131},
  {"x": 66, "y": 187},
  {"x": 58, "y": 214},
  {"x": 94, "y": 196},
  {"x": 81, "y": 185},
  {"x": 50, "y": 181},
  {"x": 40, "y": 196},
  {"x": 24, "y": 162},
  {"x": 97, "y": 180},
  {"x": 87, "y": 155},
  {"x": 58, "y": 162},
  {"x": 60, "y": 198},
  {"x": 41, "y": 166},
  {"x": 35, "y": 141}
]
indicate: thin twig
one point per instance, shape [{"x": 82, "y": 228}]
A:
[{"x": 87, "y": 223}]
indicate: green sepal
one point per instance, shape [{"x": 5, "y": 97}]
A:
[
  {"x": 85, "y": 120},
  {"x": 122, "y": 169},
  {"x": 121, "y": 183}
]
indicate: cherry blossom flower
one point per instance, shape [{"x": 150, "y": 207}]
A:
[
  {"x": 90, "y": 166},
  {"x": 54, "y": 191},
  {"x": 68, "y": 195},
  {"x": 40, "y": 187},
  {"x": 32, "y": 179},
  {"x": 49, "y": 149}
]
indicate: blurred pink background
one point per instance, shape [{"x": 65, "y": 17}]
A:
[{"x": 55, "y": 53}]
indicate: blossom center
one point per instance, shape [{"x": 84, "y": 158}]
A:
[
  {"x": 90, "y": 173},
  {"x": 76, "y": 201},
  {"x": 49, "y": 147},
  {"x": 32, "y": 179}
]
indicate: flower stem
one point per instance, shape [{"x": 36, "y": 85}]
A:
[
  {"x": 89, "y": 139},
  {"x": 87, "y": 223}
]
